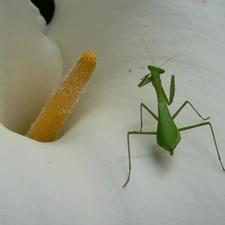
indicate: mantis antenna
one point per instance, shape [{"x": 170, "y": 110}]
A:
[
  {"x": 152, "y": 57},
  {"x": 171, "y": 58},
  {"x": 147, "y": 49}
]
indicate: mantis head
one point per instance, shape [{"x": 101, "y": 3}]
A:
[{"x": 155, "y": 71}]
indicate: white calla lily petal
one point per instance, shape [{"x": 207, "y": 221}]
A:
[{"x": 30, "y": 65}]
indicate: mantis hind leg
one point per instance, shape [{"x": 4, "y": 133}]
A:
[
  {"x": 213, "y": 135},
  {"x": 142, "y": 105},
  {"x": 129, "y": 155},
  {"x": 182, "y": 106}
]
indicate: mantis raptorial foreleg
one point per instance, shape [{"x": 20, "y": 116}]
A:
[{"x": 172, "y": 92}]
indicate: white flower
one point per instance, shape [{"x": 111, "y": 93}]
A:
[
  {"x": 78, "y": 179},
  {"x": 30, "y": 65}
]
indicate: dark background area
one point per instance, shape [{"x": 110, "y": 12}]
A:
[{"x": 46, "y": 8}]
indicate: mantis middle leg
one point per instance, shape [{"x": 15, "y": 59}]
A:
[
  {"x": 182, "y": 106},
  {"x": 142, "y": 105}
]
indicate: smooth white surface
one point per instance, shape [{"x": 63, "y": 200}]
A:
[
  {"x": 30, "y": 65},
  {"x": 78, "y": 179}
]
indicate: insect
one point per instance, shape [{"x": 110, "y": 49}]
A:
[{"x": 167, "y": 134}]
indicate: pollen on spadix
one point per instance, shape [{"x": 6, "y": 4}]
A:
[{"x": 48, "y": 124}]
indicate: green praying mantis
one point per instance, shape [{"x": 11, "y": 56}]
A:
[{"x": 167, "y": 134}]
